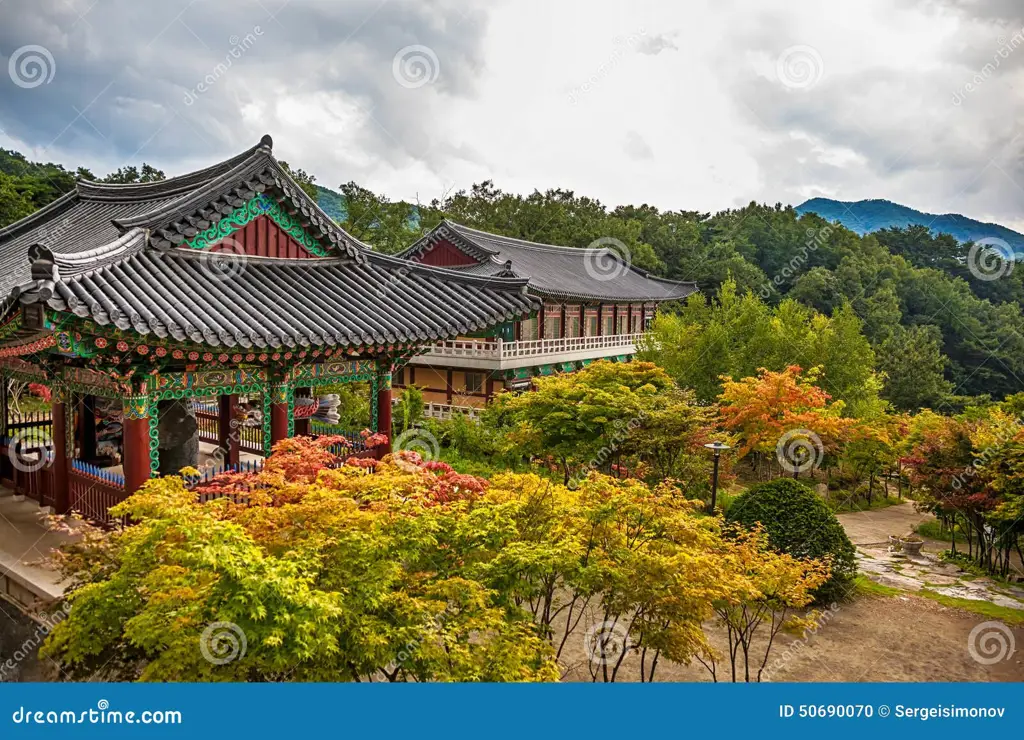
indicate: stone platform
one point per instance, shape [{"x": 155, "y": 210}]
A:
[{"x": 26, "y": 539}]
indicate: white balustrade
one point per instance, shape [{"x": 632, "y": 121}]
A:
[
  {"x": 497, "y": 349},
  {"x": 447, "y": 410}
]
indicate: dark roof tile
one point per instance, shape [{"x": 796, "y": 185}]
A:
[
  {"x": 559, "y": 272},
  {"x": 107, "y": 252}
]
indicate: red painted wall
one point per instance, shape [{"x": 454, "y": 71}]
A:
[
  {"x": 264, "y": 238},
  {"x": 445, "y": 254}
]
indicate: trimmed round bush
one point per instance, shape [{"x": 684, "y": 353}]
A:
[{"x": 799, "y": 523}]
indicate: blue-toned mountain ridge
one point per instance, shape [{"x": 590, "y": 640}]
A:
[{"x": 865, "y": 216}]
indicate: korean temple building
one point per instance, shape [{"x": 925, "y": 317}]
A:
[
  {"x": 136, "y": 303},
  {"x": 593, "y": 305}
]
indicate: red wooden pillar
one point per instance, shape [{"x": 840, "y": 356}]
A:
[
  {"x": 540, "y": 322},
  {"x": 600, "y": 319},
  {"x": 59, "y": 478},
  {"x": 384, "y": 401},
  {"x": 229, "y": 432},
  {"x": 278, "y": 412},
  {"x": 135, "y": 440}
]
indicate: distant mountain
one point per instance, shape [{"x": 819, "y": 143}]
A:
[
  {"x": 332, "y": 203},
  {"x": 865, "y": 216}
]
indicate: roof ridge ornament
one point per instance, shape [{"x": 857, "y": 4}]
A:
[
  {"x": 267, "y": 143},
  {"x": 43, "y": 262}
]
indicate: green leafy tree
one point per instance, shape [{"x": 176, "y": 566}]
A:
[
  {"x": 579, "y": 420},
  {"x": 735, "y": 335},
  {"x": 799, "y": 523},
  {"x": 913, "y": 364},
  {"x": 303, "y": 179},
  {"x": 13, "y": 205},
  {"x": 132, "y": 174},
  {"x": 389, "y": 226}
]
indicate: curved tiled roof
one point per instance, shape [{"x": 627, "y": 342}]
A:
[
  {"x": 559, "y": 272},
  {"x": 271, "y": 302},
  {"x": 95, "y": 214},
  {"x": 106, "y": 255}
]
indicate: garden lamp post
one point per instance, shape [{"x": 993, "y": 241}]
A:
[{"x": 718, "y": 448}]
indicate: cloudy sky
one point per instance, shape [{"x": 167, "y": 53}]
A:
[{"x": 700, "y": 105}]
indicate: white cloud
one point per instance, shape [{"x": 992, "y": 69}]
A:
[{"x": 678, "y": 105}]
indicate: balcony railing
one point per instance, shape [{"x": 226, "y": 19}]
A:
[
  {"x": 521, "y": 352},
  {"x": 447, "y": 410}
]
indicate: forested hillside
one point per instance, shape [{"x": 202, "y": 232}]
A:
[
  {"x": 940, "y": 323},
  {"x": 865, "y": 216}
]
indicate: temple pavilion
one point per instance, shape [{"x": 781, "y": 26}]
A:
[
  {"x": 594, "y": 304},
  {"x": 225, "y": 283}
]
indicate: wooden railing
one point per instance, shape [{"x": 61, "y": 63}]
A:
[
  {"x": 93, "y": 490},
  {"x": 208, "y": 419},
  {"x": 447, "y": 410},
  {"x": 319, "y": 428},
  {"x": 343, "y": 453},
  {"x": 26, "y": 456},
  {"x": 498, "y": 349},
  {"x": 29, "y": 422}
]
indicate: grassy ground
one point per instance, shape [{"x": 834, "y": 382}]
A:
[
  {"x": 933, "y": 530},
  {"x": 1013, "y": 617},
  {"x": 841, "y": 501}
]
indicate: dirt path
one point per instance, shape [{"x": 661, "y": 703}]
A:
[
  {"x": 873, "y": 638},
  {"x": 870, "y": 530},
  {"x": 874, "y": 527}
]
